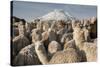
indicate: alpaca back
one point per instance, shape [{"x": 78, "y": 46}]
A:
[
  {"x": 68, "y": 56},
  {"x": 27, "y": 56},
  {"x": 19, "y": 42},
  {"x": 91, "y": 51},
  {"x": 53, "y": 47}
]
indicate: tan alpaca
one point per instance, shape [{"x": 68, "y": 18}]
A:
[
  {"x": 41, "y": 53},
  {"x": 49, "y": 33},
  {"x": 79, "y": 38},
  {"x": 45, "y": 26},
  {"x": 53, "y": 47},
  {"x": 91, "y": 51},
  {"x": 68, "y": 56},
  {"x": 72, "y": 44},
  {"x": 36, "y": 35}
]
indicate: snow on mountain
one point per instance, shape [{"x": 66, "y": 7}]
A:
[{"x": 57, "y": 15}]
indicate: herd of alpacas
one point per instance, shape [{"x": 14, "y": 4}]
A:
[{"x": 53, "y": 42}]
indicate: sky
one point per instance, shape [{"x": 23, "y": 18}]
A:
[{"x": 31, "y": 10}]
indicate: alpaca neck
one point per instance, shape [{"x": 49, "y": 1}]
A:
[
  {"x": 79, "y": 38},
  {"x": 41, "y": 53}
]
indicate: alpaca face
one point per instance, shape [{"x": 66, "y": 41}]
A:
[
  {"x": 87, "y": 25},
  {"x": 36, "y": 35},
  {"x": 66, "y": 37},
  {"x": 21, "y": 29},
  {"x": 38, "y": 45}
]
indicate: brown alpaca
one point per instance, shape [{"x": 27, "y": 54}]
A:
[
  {"x": 19, "y": 41},
  {"x": 26, "y": 56},
  {"x": 66, "y": 37},
  {"x": 93, "y": 32}
]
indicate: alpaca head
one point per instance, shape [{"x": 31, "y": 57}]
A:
[
  {"x": 21, "y": 28},
  {"x": 66, "y": 37},
  {"x": 36, "y": 35},
  {"x": 54, "y": 47},
  {"x": 45, "y": 26},
  {"x": 86, "y": 24},
  {"x": 70, "y": 44},
  {"x": 40, "y": 25},
  {"x": 76, "y": 24},
  {"x": 39, "y": 45}
]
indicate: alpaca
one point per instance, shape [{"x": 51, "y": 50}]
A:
[
  {"x": 87, "y": 35},
  {"x": 62, "y": 29},
  {"x": 40, "y": 26},
  {"x": 45, "y": 39},
  {"x": 52, "y": 35},
  {"x": 87, "y": 28},
  {"x": 66, "y": 37},
  {"x": 28, "y": 30},
  {"x": 48, "y": 36},
  {"x": 70, "y": 30},
  {"x": 27, "y": 56},
  {"x": 87, "y": 47},
  {"x": 15, "y": 32},
  {"x": 36, "y": 35},
  {"x": 53, "y": 47},
  {"x": 91, "y": 51},
  {"x": 43, "y": 56},
  {"x": 67, "y": 56},
  {"x": 93, "y": 24},
  {"x": 72, "y": 44},
  {"x": 19, "y": 41},
  {"x": 78, "y": 36},
  {"x": 45, "y": 26}
]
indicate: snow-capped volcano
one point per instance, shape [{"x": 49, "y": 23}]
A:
[{"x": 57, "y": 15}]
